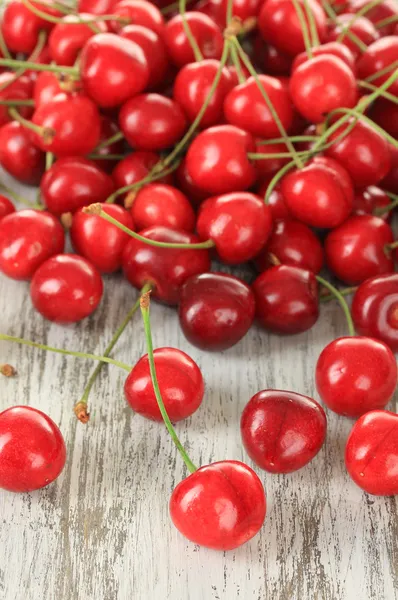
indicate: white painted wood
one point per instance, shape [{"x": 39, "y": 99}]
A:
[{"x": 102, "y": 531}]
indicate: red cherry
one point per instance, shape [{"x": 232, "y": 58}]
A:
[
  {"x": 220, "y": 506},
  {"x": 99, "y": 241},
  {"x": 186, "y": 185},
  {"x": 96, "y": 7},
  {"x": 378, "y": 56},
  {"x": 19, "y": 89},
  {"x": 355, "y": 375},
  {"x": 152, "y": 122},
  {"x": 330, "y": 48},
  {"x": 138, "y": 12},
  {"x": 27, "y": 239},
  {"x": 267, "y": 167},
  {"x": 21, "y": 27},
  {"x": 69, "y": 36},
  {"x": 180, "y": 382},
  {"x": 66, "y": 288},
  {"x": 382, "y": 10},
  {"x": 113, "y": 69},
  {"x": 216, "y": 310},
  {"x": 282, "y": 431},
  {"x": 166, "y": 268},
  {"x": 161, "y": 204},
  {"x": 6, "y": 207},
  {"x": 108, "y": 129},
  {"x": 385, "y": 114},
  {"x": 72, "y": 183},
  {"x": 390, "y": 181},
  {"x": 46, "y": 87},
  {"x": 368, "y": 200},
  {"x": 135, "y": 167},
  {"x": 19, "y": 156},
  {"x": 280, "y": 26},
  {"x": 356, "y": 249},
  {"x": 32, "y": 449},
  {"x": 371, "y": 453},
  {"x": 321, "y": 85},
  {"x": 276, "y": 202},
  {"x": 217, "y": 160},
  {"x": 206, "y": 33},
  {"x": 243, "y": 9},
  {"x": 245, "y": 107},
  {"x": 154, "y": 50},
  {"x": 238, "y": 223},
  {"x": 361, "y": 27},
  {"x": 286, "y": 299}
]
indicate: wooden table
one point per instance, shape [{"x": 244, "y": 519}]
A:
[{"x": 102, "y": 531}]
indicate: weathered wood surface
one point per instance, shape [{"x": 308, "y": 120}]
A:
[{"x": 102, "y": 531}]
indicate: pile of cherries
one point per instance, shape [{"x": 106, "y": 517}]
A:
[{"x": 162, "y": 136}]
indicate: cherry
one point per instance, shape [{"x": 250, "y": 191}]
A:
[
  {"x": 204, "y": 30},
  {"x": 292, "y": 243},
  {"x": 152, "y": 122},
  {"x": 6, "y": 207},
  {"x": 180, "y": 382},
  {"x": 66, "y": 288},
  {"x": 356, "y": 249},
  {"x": 390, "y": 181},
  {"x": 108, "y": 129},
  {"x": 242, "y": 9},
  {"x": 72, "y": 183},
  {"x": 21, "y": 27},
  {"x": 99, "y": 241},
  {"x": 363, "y": 152},
  {"x": 330, "y": 48},
  {"x": 154, "y": 49},
  {"x": 361, "y": 27},
  {"x": 113, "y": 69},
  {"x": 356, "y": 374},
  {"x": 46, "y": 87},
  {"x": 27, "y": 239},
  {"x": 286, "y": 299},
  {"x": 186, "y": 185},
  {"x": 167, "y": 269},
  {"x": 69, "y": 36},
  {"x": 32, "y": 449},
  {"x": 138, "y": 12},
  {"x": 385, "y": 114},
  {"x": 220, "y": 506},
  {"x": 280, "y": 26},
  {"x": 192, "y": 86},
  {"x": 270, "y": 59},
  {"x": 321, "y": 85},
  {"x": 367, "y": 201},
  {"x": 135, "y": 167},
  {"x": 96, "y": 7},
  {"x": 276, "y": 202},
  {"x": 378, "y": 56},
  {"x": 282, "y": 431},
  {"x": 245, "y": 107},
  {"x": 19, "y": 156},
  {"x": 162, "y": 204},
  {"x": 239, "y": 224},
  {"x": 217, "y": 160},
  {"x": 17, "y": 89},
  {"x": 382, "y": 10},
  {"x": 267, "y": 166},
  {"x": 371, "y": 453},
  {"x": 216, "y": 310}
]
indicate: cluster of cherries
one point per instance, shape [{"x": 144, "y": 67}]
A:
[{"x": 255, "y": 131}]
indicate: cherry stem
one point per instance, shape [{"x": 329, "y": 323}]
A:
[
  {"x": 51, "y": 19},
  {"x": 294, "y": 138},
  {"x": 370, "y": 86},
  {"x": 392, "y": 246},
  {"x": 49, "y": 160},
  {"x": 17, "y": 102},
  {"x": 304, "y": 27},
  {"x": 3, "y": 47},
  {"x": 41, "y": 42},
  {"x": 17, "y": 198},
  {"x": 191, "y": 39},
  {"x": 170, "y": 8},
  {"x": 312, "y": 24},
  {"x": 361, "y": 116},
  {"x": 379, "y": 211},
  {"x": 67, "y": 10},
  {"x": 344, "y": 292},
  {"x": 23, "y": 64},
  {"x": 152, "y": 176},
  {"x": 106, "y": 156},
  {"x": 111, "y": 361},
  {"x": 261, "y": 156},
  {"x": 360, "y": 13},
  {"x": 237, "y": 65},
  {"x": 350, "y": 34},
  {"x": 387, "y": 69},
  {"x": 339, "y": 296},
  {"x": 144, "y": 303},
  {"x": 387, "y": 21},
  {"x": 117, "y": 137},
  {"x": 43, "y": 132}
]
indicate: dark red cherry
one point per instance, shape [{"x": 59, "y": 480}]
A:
[
  {"x": 286, "y": 299},
  {"x": 239, "y": 224},
  {"x": 66, "y": 288},
  {"x": 21, "y": 27},
  {"x": 206, "y": 33},
  {"x": 19, "y": 156},
  {"x": 18, "y": 89},
  {"x": 382, "y": 10},
  {"x": 27, "y": 239},
  {"x": 276, "y": 202},
  {"x": 186, "y": 185},
  {"x": 357, "y": 250},
  {"x": 154, "y": 49},
  {"x": 390, "y": 181},
  {"x": 113, "y": 69},
  {"x": 220, "y": 506},
  {"x": 270, "y": 59},
  {"x": 371, "y": 453},
  {"x": 166, "y": 268},
  {"x": 135, "y": 167},
  {"x": 385, "y": 113},
  {"x": 46, "y": 87},
  {"x": 69, "y": 36},
  {"x": 180, "y": 382},
  {"x": 6, "y": 207},
  {"x": 361, "y": 27},
  {"x": 378, "y": 56},
  {"x": 216, "y": 310},
  {"x": 152, "y": 122},
  {"x": 355, "y": 375},
  {"x": 369, "y": 200},
  {"x": 138, "y": 12},
  {"x": 162, "y": 204},
  {"x": 282, "y": 431},
  {"x": 330, "y": 48},
  {"x": 108, "y": 129},
  {"x": 72, "y": 183},
  {"x": 32, "y": 449}
]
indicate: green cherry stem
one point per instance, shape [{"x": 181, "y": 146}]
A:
[
  {"x": 191, "y": 39},
  {"x": 144, "y": 303},
  {"x": 350, "y": 34},
  {"x": 312, "y": 24},
  {"x": 369, "y": 86},
  {"x": 152, "y": 176},
  {"x": 46, "y": 133},
  {"x": 117, "y": 137},
  {"x": 386, "y": 21},
  {"x": 387, "y": 69},
  {"x": 32, "y": 66},
  {"x": 304, "y": 27},
  {"x": 41, "y": 42},
  {"x": 49, "y": 160},
  {"x": 3, "y": 47},
  {"x": 362, "y": 117},
  {"x": 339, "y": 296},
  {"x": 17, "y": 102},
  {"x": 52, "y": 19},
  {"x": 260, "y": 156},
  {"x": 18, "y": 198},
  {"x": 344, "y": 292},
  {"x": 236, "y": 63},
  {"x": 360, "y": 13},
  {"x": 294, "y": 138}
]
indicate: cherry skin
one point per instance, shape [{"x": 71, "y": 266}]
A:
[
  {"x": 138, "y": 12},
  {"x": 217, "y": 160},
  {"x": 27, "y": 239},
  {"x": 69, "y": 36},
  {"x": 113, "y": 69},
  {"x": 361, "y": 27},
  {"x": 385, "y": 114},
  {"x": 356, "y": 374},
  {"x": 369, "y": 200},
  {"x": 267, "y": 167},
  {"x": 216, "y": 310},
  {"x": 108, "y": 129},
  {"x": 19, "y": 156},
  {"x": 378, "y": 56},
  {"x": 330, "y": 48},
  {"x": 135, "y": 167},
  {"x": 382, "y": 10},
  {"x": 152, "y": 122},
  {"x": 282, "y": 431},
  {"x": 166, "y": 268},
  {"x": 21, "y": 27},
  {"x": 245, "y": 107},
  {"x": 286, "y": 299},
  {"x": 32, "y": 449},
  {"x": 46, "y": 87},
  {"x": 96, "y": 7},
  {"x": 238, "y": 223},
  {"x": 356, "y": 250},
  {"x": 66, "y": 288},
  {"x": 180, "y": 382},
  {"x": 162, "y": 204},
  {"x": 20, "y": 89},
  {"x": 72, "y": 183},
  {"x": 154, "y": 50},
  {"x": 242, "y": 9},
  {"x": 185, "y": 184},
  {"x": 276, "y": 202},
  {"x": 220, "y": 506},
  {"x": 6, "y": 207},
  {"x": 371, "y": 453}
]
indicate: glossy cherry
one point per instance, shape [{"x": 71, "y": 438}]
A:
[
  {"x": 6, "y": 207},
  {"x": 371, "y": 199},
  {"x": 69, "y": 36},
  {"x": 154, "y": 48},
  {"x": 286, "y": 299},
  {"x": 32, "y": 449},
  {"x": 356, "y": 374},
  {"x": 371, "y": 453},
  {"x": 219, "y": 506},
  {"x": 46, "y": 87},
  {"x": 135, "y": 167},
  {"x": 378, "y": 56},
  {"x": 361, "y": 27},
  {"x": 162, "y": 204},
  {"x": 66, "y": 288},
  {"x": 21, "y": 27},
  {"x": 19, "y": 156},
  {"x": 138, "y": 12},
  {"x": 382, "y": 10},
  {"x": 282, "y": 431},
  {"x": 330, "y": 48},
  {"x": 17, "y": 89},
  {"x": 276, "y": 202},
  {"x": 204, "y": 30},
  {"x": 27, "y": 239}
]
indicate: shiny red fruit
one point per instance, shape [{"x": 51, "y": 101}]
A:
[
  {"x": 21, "y": 27},
  {"x": 138, "y": 12},
  {"x": 135, "y": 167},
  {"x": 370, "y": 200},
  {"x": 361, "y": 27},
  {"x": 17, "y": 89},
  {"x": 19, "y": 156},
  {"x": 386, "y": 9},
  {"x": 46, "y": 87},
  {"x": 96, "y": 7},
  {"x": 380, "y": 55},
  {"x": 154, "y": 48},
  {"x": 329, "y": 49},
  {"x": 206, "y": 33},
  {"x": 6, "y": 207},
  {"x": 162, "y": 204},
  {"x": 69, "y": 36}
]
